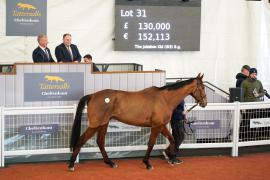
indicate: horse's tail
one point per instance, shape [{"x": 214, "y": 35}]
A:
[{"x": 76, "y": 128}]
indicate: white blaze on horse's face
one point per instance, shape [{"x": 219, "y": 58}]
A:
[{"x": 107, "y": 100}]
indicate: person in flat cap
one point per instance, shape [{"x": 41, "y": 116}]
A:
[
  {"x": 240, "y": 77},
  {"x": 252, "y": 87}
]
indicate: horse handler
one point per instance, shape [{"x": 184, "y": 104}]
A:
[{"x": 177, "y": 125}]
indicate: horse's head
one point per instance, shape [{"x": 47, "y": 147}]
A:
[{"x": 198, "y": 92}]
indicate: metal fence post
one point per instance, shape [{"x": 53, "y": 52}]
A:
[{"x": 236, "y": 124}]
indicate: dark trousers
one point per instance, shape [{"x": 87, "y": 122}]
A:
[{"x": 178, "y": 134}]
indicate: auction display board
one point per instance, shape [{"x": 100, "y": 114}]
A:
[{"x": 157, "y": 25}]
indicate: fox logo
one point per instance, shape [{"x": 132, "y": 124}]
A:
[
  {"x": 256, "y": 122},
  {"x": 54, "y": 78},
  {"x": 26, "y": 6}
]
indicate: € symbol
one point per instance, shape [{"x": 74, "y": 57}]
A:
[{"x": 125, "y": 36}]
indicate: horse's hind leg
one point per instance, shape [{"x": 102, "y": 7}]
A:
[
  {"x": 83, "y": 139},
  {"x": 101, "y": 144},
  {"x": 151, "y": 143}
]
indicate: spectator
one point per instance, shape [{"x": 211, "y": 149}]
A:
[
  {"x": 42, "y": 52},
  {"x": 177, "y": 125},
  {"x": 88, "y": 59},
  {"x": 252, "y": 88},
  {"x": 242, "y": 75},
  {"x": 67, "y": 52},
  {"x": 252, "y": 92}
]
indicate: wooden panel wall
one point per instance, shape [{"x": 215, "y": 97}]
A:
[{"x": 12, "y": 85}]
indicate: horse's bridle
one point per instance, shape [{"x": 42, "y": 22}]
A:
[
  {"x": 198, "y": 101},
  {"x": 192, "y": 107}
]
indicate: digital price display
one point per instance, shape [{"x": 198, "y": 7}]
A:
[{"x": 157, "y": 25}]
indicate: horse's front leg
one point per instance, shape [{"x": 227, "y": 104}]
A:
[
  {"x": 101, "y": 144},
  {"x": 171, "y": 151},
  {"x": 152, "y": 140}
]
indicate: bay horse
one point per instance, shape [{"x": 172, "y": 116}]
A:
[{"x": 151, "y": 107}]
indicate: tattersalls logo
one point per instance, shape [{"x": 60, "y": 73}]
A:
[
  {"x": 24, "y": 13},
  {"x": 23, "y": 9},
  {"x": 54, "y": 78},
  {"x": 68, "y": 86},
  {"x": 25, "y": 6},
  {"x": 26, "y": 17},
  {"x": 54, "y": 85},
  {"x": 259, "y": 122}
]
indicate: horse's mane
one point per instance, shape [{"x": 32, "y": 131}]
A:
[{"x": 176, "y": 85}]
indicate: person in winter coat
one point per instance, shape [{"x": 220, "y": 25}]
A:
[{"x": 242, "y": 75}]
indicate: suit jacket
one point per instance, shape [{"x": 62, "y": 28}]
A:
[
  {"x": 62, "y": 54},
  {"x": 39, "y": 55}
]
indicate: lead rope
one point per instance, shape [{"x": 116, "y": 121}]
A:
[
  {"x": 192, "y": 107},
  {"x": 189, "y": 122}
]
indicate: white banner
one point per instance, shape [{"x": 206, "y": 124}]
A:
[{"x": 259, "y": 122}]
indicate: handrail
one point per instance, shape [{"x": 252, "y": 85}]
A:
[
  {"x": 217, "y": 88},
  {"x": 104, "y": 66},
  {"x": 206, "y": 82}
]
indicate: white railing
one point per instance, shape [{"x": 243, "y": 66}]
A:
[
  {"x": 1, "y": 138},
  {"x": 225, "y": 121}
]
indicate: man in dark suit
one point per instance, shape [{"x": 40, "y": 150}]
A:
[
  {"x": 42, "y": 52},
  {"x": 67, "y": 52}
]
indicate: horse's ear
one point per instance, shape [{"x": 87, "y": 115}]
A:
[{"x": 201, "y": 76}]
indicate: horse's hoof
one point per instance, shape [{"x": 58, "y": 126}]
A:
[
  {"x": 71, "y": 169},
  {"x": 149, "y": 168},
  {"x": 114, "y": 165},
  {"x": 111, "y": 164}
]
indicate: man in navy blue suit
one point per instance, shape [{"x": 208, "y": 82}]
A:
[
  {"x": 67, "y": 52},
  {"x": 42, "y": 52}
]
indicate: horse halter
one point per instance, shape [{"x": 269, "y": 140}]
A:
[
  {"x": 201, "y": 99},
  {"x": 197, "y": 101}
]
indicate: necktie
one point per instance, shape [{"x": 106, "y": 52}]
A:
[
  {"x": 70, "y": 52},
  {"x": 47, "y": 54}
]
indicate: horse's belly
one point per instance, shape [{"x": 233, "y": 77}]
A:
[{"x": 135, "y": 121}]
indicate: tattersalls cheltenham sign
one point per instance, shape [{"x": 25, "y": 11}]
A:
[
  {"x": 53, "y": 86},
  {"x": 26, "y": 17}
]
